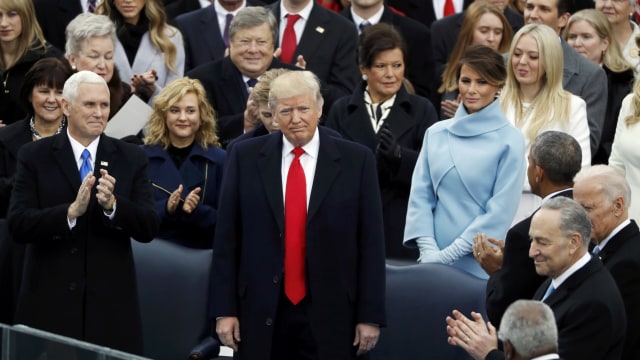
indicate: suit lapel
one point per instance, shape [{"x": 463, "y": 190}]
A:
[
  {"x": 214, "y": 43},
  {"x": 570, "y": 63},
  {"x": 63, "y": 153},
  {"x": 313, "y": 33},
  {"x": 269, "y": 169},
  {"x": 327, "y": 168},
  {"x": 357, "y": 125},
  {"x": 572, "y": 282},
  {"x": 618, "y": 240},
  {"x": 233, "y": 82}
]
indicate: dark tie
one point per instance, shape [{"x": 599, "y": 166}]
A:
[
  {"x": 448, "y": 8},
  {"x": 252, "y": 82},
  {"x": 295, "y": 219},
  {"x": 225, "y": 33},
  {"x": 92, "y": 6},
  {"x": 378, "y": 114},
  {"x": 363, "y": 25},
  {"x": 85, "y": 168},
  {"x": 596, "y": 250},
  {"x": 289, "y": 42}
]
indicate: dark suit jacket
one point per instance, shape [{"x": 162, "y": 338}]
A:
[
  {"x": 583, "y": 78},
  {"x": 177, "y": 8},
  {"x": 589, "y": 313},
  {"x": 518, "y": 278},
  {"x": 621, "y": 256},
  {"x": 421, "y": 10},
  {"x": 419, "y": 64},
  {"x": 329, "y": 45},
  {"x": 227, "y": 93},
  {"x": 81, "y": 282},
  {"x": 53, "y": 17},
  {"x": 345, "y": 268},
  {"x": 408, "y": 119},
  {"x": 499, "y": 355},
  {"x": 201, "y": 34},
  {"x": 201, "y": 168}
]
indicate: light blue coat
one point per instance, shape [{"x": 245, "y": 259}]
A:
[{"x": 468, "y": 179}]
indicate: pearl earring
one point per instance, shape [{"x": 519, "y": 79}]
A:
[{"x": 364, "y": 77}]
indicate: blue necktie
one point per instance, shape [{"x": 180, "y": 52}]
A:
[
  {"x": 85, "y": 168},
  {"x": 549, "y": 291},
  {"x": 596, "y": 250}
]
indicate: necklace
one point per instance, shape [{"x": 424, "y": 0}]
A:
[
  {"x": 36, "y": 134},
  {"x": 4, "y": 82}
]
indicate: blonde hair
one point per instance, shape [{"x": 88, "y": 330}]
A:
[
  {"x": 159, "y": 31},
  {"x": 31, "y": 37},
  {"x": 157, "y": 131},
  {"x": 612, "y": 56},
  {"x": 552, "y": 103},
  {"x": 471, "y": 17},
  {"x": 260, "y": 92}
]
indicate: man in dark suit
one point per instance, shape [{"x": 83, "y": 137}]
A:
[
  {"x": 421, "y": 10},
  {"x": 179, "y": 7},
  {"x": 581, "y": 76},
  {"x": 554, "y": 159},
  {"x": 326, "y": 45},
  {"x": 203, "y": 30},
  {"x": 416, "y": 35},
  {"x": 268, "y": 306},
  {"x": 54, "y": 15},
  {"x": 79, "y": 277},
  {"x": 581, "y": 292},
  {"x": 605, "y": 194},
  {"x": 252, "y": 37}
]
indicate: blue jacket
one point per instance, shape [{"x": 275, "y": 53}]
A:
[
  {"x": 195, "y": 229},
  {"x": 467, "y": 179}
]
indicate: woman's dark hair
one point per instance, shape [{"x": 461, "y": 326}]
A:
[
  {"x": 486, "y": 62},
  {"x": 51, "y": 72},
  {"x": 376, "y": 39}
]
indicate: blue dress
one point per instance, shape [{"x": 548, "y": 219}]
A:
[{"x": 468, "y": 179}]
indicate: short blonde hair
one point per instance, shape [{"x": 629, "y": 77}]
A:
[
  {"x": 295, "y": 83},
  {"x": 260, "y": 92},
  {"x": 157, "y": 131}
]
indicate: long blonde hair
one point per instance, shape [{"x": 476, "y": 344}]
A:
[
  {"x": 31, "y": 37},
  {"x": 471, "y": 17},
  {"x": 552, "y": 103},
  {"x": 157, "y": 131},
  {"x": 159, "y": 31},
  {"x": 612, "y": 57}
]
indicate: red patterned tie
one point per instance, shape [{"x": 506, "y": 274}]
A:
[
  {"x": 295, "y": 219},
  {"x": 289, "y": 42},
  {"x": 448, "y": 8}
]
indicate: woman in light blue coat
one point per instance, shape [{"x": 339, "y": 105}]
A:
[{"x": 469, "y": 174}]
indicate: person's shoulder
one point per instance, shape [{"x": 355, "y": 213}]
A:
[
  {"x": 127, "y": 149},
  {"x": 206, "y": 70},
  {"x": 338, "y": 22},
  {"x": 9, "y": 132}
]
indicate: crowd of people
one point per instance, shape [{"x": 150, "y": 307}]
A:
[{"x": 309, "y": 141}]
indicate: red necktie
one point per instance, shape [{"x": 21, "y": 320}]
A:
[
  {"x": 289, "y": 41},
  {"x": 295, "y": 219},
  {"x": 448, "y": 8}
]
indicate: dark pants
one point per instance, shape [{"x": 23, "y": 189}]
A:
[{"x": 292, "y": 335}]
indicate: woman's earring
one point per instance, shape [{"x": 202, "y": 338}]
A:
[{"x": 364, "y": 77}]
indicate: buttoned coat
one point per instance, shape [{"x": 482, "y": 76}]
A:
[
  {"x": 81, "y": 282},
  {"x": 345, "y": 271}
]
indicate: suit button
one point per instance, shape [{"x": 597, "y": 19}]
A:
[
  {"x": 72, "y": 286},
  {"x": 276, "y": 279},
  {"x": 74, "y": 250},
  {"x": 269, "y": 322}
]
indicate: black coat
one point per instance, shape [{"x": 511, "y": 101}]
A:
[
  {"x": 421, "y": 10},
  {"x": 54, "y": 16},
  {"x": 408, "y": 119}
]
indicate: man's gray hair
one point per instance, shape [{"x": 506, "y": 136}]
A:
[
  {"x": 610, "y": 179},
  {"x": 84, "y": 27},
  {"x": 573, "y": 218},
  {"x": 252, "y": 16},
  {"x": 559, "y": 154},
  {"x": 295, "y": 83},
  {"x": 70, "y": 90},
  {"x": 529, "y": 326}
]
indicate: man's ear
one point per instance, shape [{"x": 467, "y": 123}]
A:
[
  {"x": 509, "y": 350},
  {"x": 539, "y": 174}
]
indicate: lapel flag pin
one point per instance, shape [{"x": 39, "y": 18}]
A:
[
  {"x": 320, "y": 29},
  {"x": 104, "y": 163}
]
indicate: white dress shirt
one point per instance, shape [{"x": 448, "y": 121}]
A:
[{"x": 308, "y": 160}]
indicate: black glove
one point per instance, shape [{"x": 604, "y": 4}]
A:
[{"x": 388, "y": 147}]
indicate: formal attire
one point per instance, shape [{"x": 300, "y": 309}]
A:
[
  {"x": 201, "y": 168},
  {"x": 345, "y": 271},
  {"x": 577, "y": 126},
  {"x": 11, "y": 80},
  {"x": 619, "y": 85},
  {"x": 54, "y": 16},
  {"x": 150, "y": 57},
  {"x": 328, "y": 43},
  {"x": 408, "y": 118},
  {"x": 79, "y": 281},
  {"x": 621, "y": 256},
  {"x": 585, "y": 79},
  {"x": 419, "y": 63},
  {"x": 589, "y": 313},
  {"x": 468, "y": 172},
  {"x": 625, "y": 155},
  {"x": 421, "y": 10},
  {"x": 203, "y": 41},
  {"x": 517, "y": 279},
  {"x": 227, "y": 92},
  {"x": 179, "y": 7}
]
